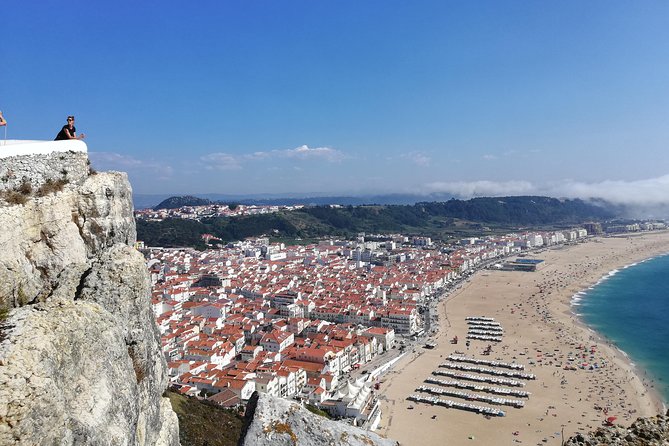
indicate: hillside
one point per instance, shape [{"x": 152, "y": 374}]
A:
[
  {"x": 202, "y": 423},
  {"x": 436, "y": 219},
  {"x": 177, "y": 202}
]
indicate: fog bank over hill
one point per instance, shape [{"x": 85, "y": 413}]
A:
[{"x": 645, "y": 198}]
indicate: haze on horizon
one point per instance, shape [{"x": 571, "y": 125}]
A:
[{"x": 566, "y": 99}]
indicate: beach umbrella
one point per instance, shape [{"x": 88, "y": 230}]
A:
[{"x": 611, "y": 419}]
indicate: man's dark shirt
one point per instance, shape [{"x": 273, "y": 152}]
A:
[{"x": 63, "y": 134}]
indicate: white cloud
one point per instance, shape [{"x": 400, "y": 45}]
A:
[
  {"x": 650, "y": 191},
  {"x": 302, "y": 152},
  {"x": 489, "y": 157},
  {"x": 221, "y": 161},
  {"x": 647, "y": 192},
  {"x": 417, "y": 158},
  {"x": 228, "y": 161},
  {"x": 483, "y": 188},
  {"x": 256, "y": 155},
  {"x": 115, "y": 161}
]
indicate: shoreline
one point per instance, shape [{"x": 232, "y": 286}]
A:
[
  {"x": 542, "y": 327},
  {"x": 645, "y": 375}
]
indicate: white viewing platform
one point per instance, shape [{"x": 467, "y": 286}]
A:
[{"x": 20, "y": 147}]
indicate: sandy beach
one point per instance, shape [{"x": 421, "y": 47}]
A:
[{"x": 541, "y": 332}]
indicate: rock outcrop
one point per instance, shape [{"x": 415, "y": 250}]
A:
[
  {"x": 80, "y": 357},
  {"x": 643, "y": 432},
  {"x": 275, "y": 422}
]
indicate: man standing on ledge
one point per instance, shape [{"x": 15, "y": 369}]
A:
[{"x": 69, "y": 131}]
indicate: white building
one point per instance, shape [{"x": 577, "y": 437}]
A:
[{"x": 355, "y": 400}]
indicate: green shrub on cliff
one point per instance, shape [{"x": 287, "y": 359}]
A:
[{"x": 205, "y": 423}]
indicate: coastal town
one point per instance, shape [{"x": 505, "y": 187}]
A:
[
  {"x": 209, "y": 211},
  {"x": 334, "y": 224},
  {"x": 423, "y": 341},
  {"x": 319, "y": 323}
]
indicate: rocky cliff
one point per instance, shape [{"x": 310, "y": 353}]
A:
[
  {"x": 652, "y": 431},
  {"x": 275, "y": 421},
  {"x": 80, "y": 359}
]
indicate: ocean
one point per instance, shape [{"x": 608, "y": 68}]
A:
[{"x": 630, "y": 307}]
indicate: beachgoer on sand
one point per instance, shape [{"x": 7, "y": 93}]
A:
[{"x": 69, "y": 131}]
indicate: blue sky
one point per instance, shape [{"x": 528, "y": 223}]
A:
[{"x": 351, "y": 97}]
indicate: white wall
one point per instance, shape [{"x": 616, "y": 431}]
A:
[{"x": 17, "y": 147}]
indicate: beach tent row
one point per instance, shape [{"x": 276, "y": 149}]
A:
[
  {"x": 483, "y": 410},
  {"x": 505, "y": 365},
  {"x": 488, "y": 371},
  {"x": 490, "y": 323},
  {"x": 484, "y": 329},
  {"x": 479, "y": 388},
  {"x": 495, "y": 328},
  {"x": 472, "y": 396},
  {"x": 482, "y": 379},
  {"x": 484, "y": 337},
  {"x": 486, "y": 333}
]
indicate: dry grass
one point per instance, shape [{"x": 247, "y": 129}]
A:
[
  {"x": 14, "y": 197},
  {"x": 51, "y": 187},
  {"x": 25, "y": 188},
  {"x": 19, "y": 195},
  {"x": 4, "y": 314}
]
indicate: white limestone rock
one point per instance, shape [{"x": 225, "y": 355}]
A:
[
  {"x": 48, "y": 235},
  {"x": 277, "y": 422},
  {"x": 66, "y": 378},
  {"x": 80, "y": 357}
]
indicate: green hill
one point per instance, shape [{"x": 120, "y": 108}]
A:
[
  {"x": 435, "y": 219},
  {"x": 177, "y": 202},
  {"x": 202, "y": 423}
]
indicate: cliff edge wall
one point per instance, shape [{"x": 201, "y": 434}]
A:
[{"x": 80, "y": 358}]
